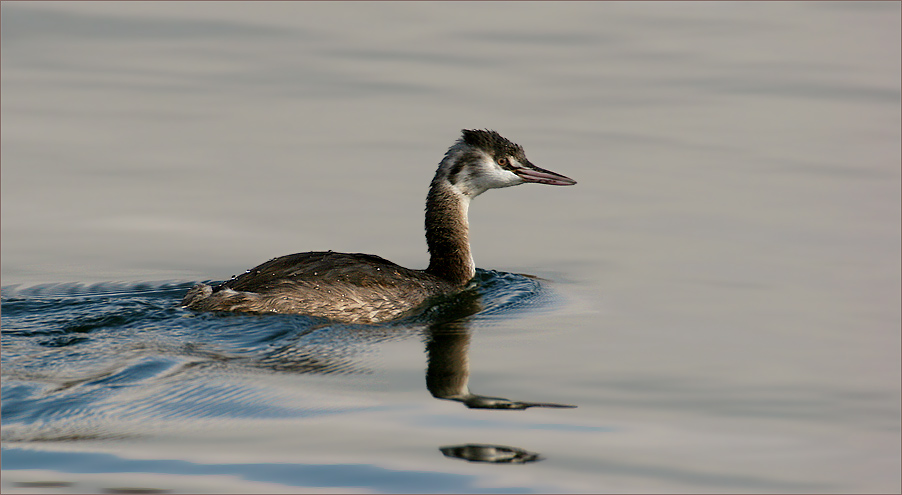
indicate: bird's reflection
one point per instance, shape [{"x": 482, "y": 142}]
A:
[
  {"x": 445, "y": 328},
  {"x": 448, "y": 374},
  {"x": 447, "y": 347},
  {"x": 498, "y": 454},
  {"x": 448, "y": 370}
]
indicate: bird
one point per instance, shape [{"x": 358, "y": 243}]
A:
[{"x": 366, "y": 289}]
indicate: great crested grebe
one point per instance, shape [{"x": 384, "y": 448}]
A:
[{"x": 363, "y": 288}]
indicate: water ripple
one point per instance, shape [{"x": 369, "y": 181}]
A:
[{"x": 114, "y": 359}]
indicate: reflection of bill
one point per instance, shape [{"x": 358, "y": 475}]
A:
[
  {"x": 447, "y": 375},
  {"x": 448, "y": 371},
  {"x": 498, "y": 454}
]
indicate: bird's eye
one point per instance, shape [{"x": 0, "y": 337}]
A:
[{"x": 503, "y": 162}]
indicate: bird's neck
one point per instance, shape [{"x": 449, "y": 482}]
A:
[{"x": 447, "y": 234}]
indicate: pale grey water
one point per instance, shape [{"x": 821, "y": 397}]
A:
[{"x": 728, "y": 267}]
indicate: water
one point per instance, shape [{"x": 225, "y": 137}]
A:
[{"x": 718, "y": 296}]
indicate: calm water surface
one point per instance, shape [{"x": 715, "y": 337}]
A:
[{"x": 718, "y": 296}]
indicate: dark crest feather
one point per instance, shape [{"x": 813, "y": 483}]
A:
[{"x": 492, "y": 143}]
